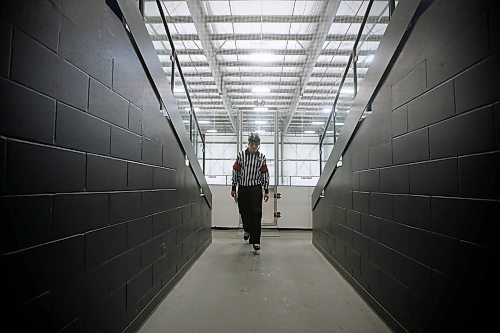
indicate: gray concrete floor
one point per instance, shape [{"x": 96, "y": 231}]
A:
[{"x": 289, "y": 287}]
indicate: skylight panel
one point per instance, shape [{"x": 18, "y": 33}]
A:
[
  {"x": 182, "y": 28},
  {"x": 178, "y": 44},
  {"x": 379, "y": 7},
  {"x": 270, "y": 7},
  {"x": 249, "y": 28},
  {"x": 293, "y": 45},
  {"x": 164, "y": 58},
  {"x": 243, "y": 44},
  {"x": 331, "y": 45},
  {"x": 218, "y": 7},
  {"x": 313, "y": 7},
  {"x": 222, "y": 28},
  {"x": 218, "y": 44},
  {"x": 339, "y": 28},
  {"x": 230, "y": 57},
  {"x": 340, "y": 59},
  {"x": 336, "y": 70},
  {"x": 269, "y": 44},
  {"x": 231, "y": 69},
  {"x": 151, "y": 9},
  {"x": 354, "y": 28},
  {"x": 275, "y": 28},
  {"x": 261, "y": 57},
  {"x": 368, "y": 45},
  {"x": 175, "y": 8},
  {"x": 183, "y": 58},
  {"x": 325, "y": 58},
  {"x": 379, "y": 29},
  {"x": 295, "y": 58},
  {"x": 302, "y": 28},
  {"x": 243, "y": 8},
  {"x": 197, "y": 43},
  {"x": 156, "y": 29},
  {"x": 348, "y": 7},
  {"x": 158, "y": 45},
  {"x": 346, "y": 45}
]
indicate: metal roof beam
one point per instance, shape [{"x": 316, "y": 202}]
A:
[
  {"x": 196, "y": 10},
  {"x": 261, "y": 74},
  {"x": 221, "y": 52},
  {"x": 324, "y": 64},
  {"x": 320, "y": 36},
  {"x": 283, "y": 37},
  {"x": 264, "y": 19}
]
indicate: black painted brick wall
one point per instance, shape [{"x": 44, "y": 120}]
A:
[
  {"x": 425, "y": 218},
  {"x": 98, "y": 210}
]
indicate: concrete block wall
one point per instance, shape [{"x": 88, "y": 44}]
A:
[
  {"x": 412, "y": 218},
  {"x": 99, "y": 213}
]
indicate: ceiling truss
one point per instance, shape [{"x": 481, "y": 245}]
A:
[{"x": 219, "y": 45}]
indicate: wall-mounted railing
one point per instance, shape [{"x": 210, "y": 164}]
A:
[
  {"x": 333, "y": 127},
  {"x": 179, "y": 89},
  {"x": 387, "y": 52},
  {"x": 192, "y": 141}
]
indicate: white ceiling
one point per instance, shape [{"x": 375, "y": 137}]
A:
[{"x": 297, "y": 50}]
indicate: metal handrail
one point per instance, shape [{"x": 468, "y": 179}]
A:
[
  {"x": 179, "y": 68},
  {"x": 346, "y": 70},
  {"x": 139, "y": 36},
  {"x": 352, "y": 56},
  {"x": 395, "y": 35}
]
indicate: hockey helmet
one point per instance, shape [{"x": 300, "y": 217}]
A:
[{"x": 254, "y": 138}]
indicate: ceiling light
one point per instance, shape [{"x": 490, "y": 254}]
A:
[
  {"x": 261, "y": 89},
  {"x": 178, "y": 89},
  {"x": 317, "y": 122},
  {"x": 260, "y": 109},
  {"x": 369, "y": 58},
  {"x": 327, "y": 110},
  {"x": 329, "y": 131},
  {"x": 212, "y": 131},
  {"x": 185, "y": 121},
  {"x": 261, "y": 122},
  {"x": 309, "y": 132},
  {"x": 203, "y": 122},
  {"x": 339, "y": 123}
]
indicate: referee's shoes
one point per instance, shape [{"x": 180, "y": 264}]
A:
[{"x": 246, "y": 235}]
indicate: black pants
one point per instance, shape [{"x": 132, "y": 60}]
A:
[{"x": 250, "y": 207}]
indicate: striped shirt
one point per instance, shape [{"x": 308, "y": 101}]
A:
[{"x": 250, "y": 169}]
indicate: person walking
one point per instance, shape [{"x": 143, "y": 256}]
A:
[{"x": 250, "y": 175}]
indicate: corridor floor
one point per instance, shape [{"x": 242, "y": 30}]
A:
[{"x": 289, "y": 287}]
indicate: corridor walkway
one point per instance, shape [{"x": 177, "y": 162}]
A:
[{"x": 289, "y": 287}]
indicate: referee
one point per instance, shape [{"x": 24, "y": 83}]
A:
[{"x": 250, "y": 174}]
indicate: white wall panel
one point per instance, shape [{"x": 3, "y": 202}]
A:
[{"x": 294, "y": 205}]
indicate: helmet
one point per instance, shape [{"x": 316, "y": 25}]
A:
[{"x": 254, "y": 138}]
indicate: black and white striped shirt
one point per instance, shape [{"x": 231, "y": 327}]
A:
[{"x": 250, "y": 169}]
